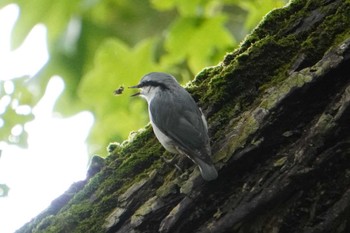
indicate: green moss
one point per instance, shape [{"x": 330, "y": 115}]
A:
[
  {"x": 201, "y": 76},
  {"x": 66, "y": 221},
  {"x": 45, "y": 223},
  {"x": 241, "y": 77},
  {"x": 200, "y": 83},
  {"x": 324, "y": 36},
  {"x": 113, "y": 148}
]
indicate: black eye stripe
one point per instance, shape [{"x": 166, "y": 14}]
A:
[{"x": 153, "y": 84}]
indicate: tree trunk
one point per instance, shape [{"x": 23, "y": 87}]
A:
[{"x": 278, "y": 110}]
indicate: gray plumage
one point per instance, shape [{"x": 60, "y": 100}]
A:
[{"x": 177, "y": 121}]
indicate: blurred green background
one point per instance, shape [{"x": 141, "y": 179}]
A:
[{"x": 98, "y": 45}]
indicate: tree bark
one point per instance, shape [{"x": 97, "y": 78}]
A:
[{"x": 278, "y": 110}]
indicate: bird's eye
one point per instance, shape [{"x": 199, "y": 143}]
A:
[
  {"x": 145, "y": 84},
  {"x": 151, "y": 84}
]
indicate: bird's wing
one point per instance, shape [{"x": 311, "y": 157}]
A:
[{"x": 179, "y": 118}]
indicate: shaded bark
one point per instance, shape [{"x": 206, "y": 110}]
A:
[{"x": 278, "y": 110}]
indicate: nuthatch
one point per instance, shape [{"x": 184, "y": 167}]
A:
[{"x": 177, "y": 122}]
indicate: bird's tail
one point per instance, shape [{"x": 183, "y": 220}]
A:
[{"x": 208, "y": 171}]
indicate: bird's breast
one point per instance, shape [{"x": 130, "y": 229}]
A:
[{"x": 166, "y": 142}]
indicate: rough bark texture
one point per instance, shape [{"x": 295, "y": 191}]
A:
[{"x": 278, "y": 110}]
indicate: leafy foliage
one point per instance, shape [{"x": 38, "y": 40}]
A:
[
  {"x": 96, "y": 46},
  {"x": 15, "y": 111}
]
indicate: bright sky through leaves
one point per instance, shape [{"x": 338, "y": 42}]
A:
[{"x": 56, "y": 155}]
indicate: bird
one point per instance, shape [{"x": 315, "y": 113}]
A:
[{"x": 177, "y": 121}]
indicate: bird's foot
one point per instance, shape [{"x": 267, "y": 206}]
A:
[
  {"x": 168, "y": 160},
  {"x": 184, "y": 175},
  {"x": 174, "y": 162},
  {"x": 178, "y": 168},
  {"x": 180, "y": 163}
]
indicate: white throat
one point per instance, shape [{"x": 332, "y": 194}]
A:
[{"x": 149, "y": 93}]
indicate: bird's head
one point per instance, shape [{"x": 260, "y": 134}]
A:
[{"x": 153, "y": 83}]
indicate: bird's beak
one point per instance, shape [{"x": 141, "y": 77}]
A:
[
  {"x": 136, "y": 86},
  {"x": 138, "y": 93}
]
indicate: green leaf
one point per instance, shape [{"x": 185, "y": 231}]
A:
[
  {"x": 184, "y": 7},
  {"x": 202, "y": 41},
  {"x": 55, "y": 15},
  {"x": 163, "y": 5}
]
